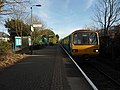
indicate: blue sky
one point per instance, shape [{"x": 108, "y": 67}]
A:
[{"x": 64, "y": 16}]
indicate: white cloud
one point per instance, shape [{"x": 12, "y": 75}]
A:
[
  {"x": 67, "y": 31},
  {"x": 89, "y": 3},
  {"x": 66, "y": 5},
  {"x": 44, "y": 15}
]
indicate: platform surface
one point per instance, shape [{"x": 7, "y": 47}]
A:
[{"x": 46, "y": 69}]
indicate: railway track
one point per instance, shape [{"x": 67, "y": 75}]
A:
[
  {"x": 102, "y": 80},
  {"x": 86, "y": 77},
  {"x": 97, "y": 78},
  {"x": 116, "y": 81}
]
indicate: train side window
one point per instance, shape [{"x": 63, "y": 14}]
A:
[{"x": 77, "y": 39}]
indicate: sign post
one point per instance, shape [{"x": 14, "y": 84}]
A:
[
  {"x": 37, "y": 25},
  {"x": 32, "y": 29}
]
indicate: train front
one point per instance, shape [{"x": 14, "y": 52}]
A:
[{"x": 85, "y": 43}]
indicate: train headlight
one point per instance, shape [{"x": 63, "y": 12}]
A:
[
  {"x": 74, "y": 50},
  {"x": 96, "y": 50}
]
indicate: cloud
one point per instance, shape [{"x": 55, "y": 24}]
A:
[
  {"x": 65, "y": 31},
  {"x": 66, "y": 5},
  {"x": 44, "y": 15},
  {"x": 89, "y": 3}
]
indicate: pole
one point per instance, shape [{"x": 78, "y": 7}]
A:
[
  {"x": 31, "y": 48},
  {"x": 31, "y": 28}
]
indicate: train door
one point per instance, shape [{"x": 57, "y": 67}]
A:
[{"x": 70, "y": 43}]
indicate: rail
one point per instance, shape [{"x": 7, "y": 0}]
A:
[{"x": 86, "y": 77}]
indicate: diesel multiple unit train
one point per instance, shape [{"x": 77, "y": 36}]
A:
[{"x": 82, "y": 43}]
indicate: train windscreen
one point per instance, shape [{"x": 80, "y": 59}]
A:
[{"x": 85, "y": 38}]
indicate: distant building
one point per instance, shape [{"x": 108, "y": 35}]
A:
[
  {"x": 4, "y": 36},
  {"x": 114, "y": 31}
]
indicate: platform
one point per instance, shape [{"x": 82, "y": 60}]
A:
[{"x": 46, "y": 69}]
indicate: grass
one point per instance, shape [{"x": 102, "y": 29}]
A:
[
  {"x": 7, "y": 56},
  {"x": 8, "y": 59}
]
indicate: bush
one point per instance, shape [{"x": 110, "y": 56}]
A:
[{"x": 5, "y": 47}]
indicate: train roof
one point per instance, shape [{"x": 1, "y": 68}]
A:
[
  {"x": 84, "y": 31},
  {"x": 81, "y": 30}
]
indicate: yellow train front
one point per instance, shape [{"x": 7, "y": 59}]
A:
[{"x": 82, "y": 43}]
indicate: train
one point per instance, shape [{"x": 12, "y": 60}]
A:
[{"x": 84, "y": 43}]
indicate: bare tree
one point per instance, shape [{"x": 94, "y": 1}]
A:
[
  {"x": 91, "y": 26},
  {"x": 1, "y": 5},
  {"x": 107, "y": 13},
  {"x": 15, "y": 8},
  {"x": 37, "y": 30}
]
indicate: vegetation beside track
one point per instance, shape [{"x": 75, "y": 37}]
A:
[{"x": 7, "y": 56}]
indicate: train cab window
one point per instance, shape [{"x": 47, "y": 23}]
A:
[
  {"x": 93, "y": 38},
  {"x": 85, "y": 38}
]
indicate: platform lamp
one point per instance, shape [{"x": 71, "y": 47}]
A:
[{"x": 31, "y": 49}]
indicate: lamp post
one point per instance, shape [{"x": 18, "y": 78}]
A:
[{"x": 32, "y": 27}]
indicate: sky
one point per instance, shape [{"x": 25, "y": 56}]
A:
[{"x": 64, "y": 16}]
